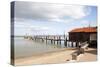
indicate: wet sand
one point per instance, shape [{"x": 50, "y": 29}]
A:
[{"x": 61, "y": 56}]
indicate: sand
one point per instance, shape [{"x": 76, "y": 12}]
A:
[{"x": 61, "y": 56}]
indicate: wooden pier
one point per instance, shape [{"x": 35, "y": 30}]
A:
[{"x": 53, "y": 39}]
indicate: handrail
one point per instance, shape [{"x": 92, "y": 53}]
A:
[{"x": 84, "y": 44}]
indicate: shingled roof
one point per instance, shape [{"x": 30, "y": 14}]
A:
[{"x": 85, "y": 29}]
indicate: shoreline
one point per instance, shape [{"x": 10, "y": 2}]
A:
[
  {"x": 61, "y": 56},
  {"x": 46, "y": 53}
]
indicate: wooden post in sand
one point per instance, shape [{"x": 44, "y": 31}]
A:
[
  {"x": 74, "y": 56},
  {"x": 54, "y": 39}
]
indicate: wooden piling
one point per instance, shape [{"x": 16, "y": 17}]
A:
[
  {"x": 51, "y": 41},
  {"x": 57, "y": 40},
  {"x": 54, "y": 39},
  {"x": 65, "y": 42},
  {"x": 46, "y": 39},
  {"x": 72, "y": 44},
  {"x": 76, "y": 44}
]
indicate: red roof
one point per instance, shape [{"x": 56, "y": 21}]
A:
[{"x": 85, "y": 29}]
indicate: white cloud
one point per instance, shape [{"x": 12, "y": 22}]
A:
[
  {"x": 28, "y": 12},
  {"x": 49, "y": 12},
  {"x": 26, "y": 28},
  {"x": 30, "y": 27}
]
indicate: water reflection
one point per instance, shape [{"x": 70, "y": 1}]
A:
[{"x": 25, "y": 47}]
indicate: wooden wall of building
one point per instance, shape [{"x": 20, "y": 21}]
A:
[
  {"x": 79, "y": 36},
  {"x": 84, "y": 36}
]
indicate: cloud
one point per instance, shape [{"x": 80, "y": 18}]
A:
[
  {"x": 30, "y": 27},
  {"x": 49, "y": 12}
]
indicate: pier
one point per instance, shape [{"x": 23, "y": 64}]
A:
[{"x": 53, "y": 39}]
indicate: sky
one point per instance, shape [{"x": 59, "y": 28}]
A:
[{"x": 35, "y": 18}]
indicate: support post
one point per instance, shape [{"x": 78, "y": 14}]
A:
[
  {"x": 65, "y": 42},
  {"x": 72, "y": 43},
  {"x": 54, "y": 39},
  {"x": 46, "y": 39}
]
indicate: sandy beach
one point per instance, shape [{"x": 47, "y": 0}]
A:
[{"x": 61, "y": 56}]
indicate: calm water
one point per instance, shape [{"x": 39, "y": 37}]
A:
[{"x": 25, "y": 47}]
